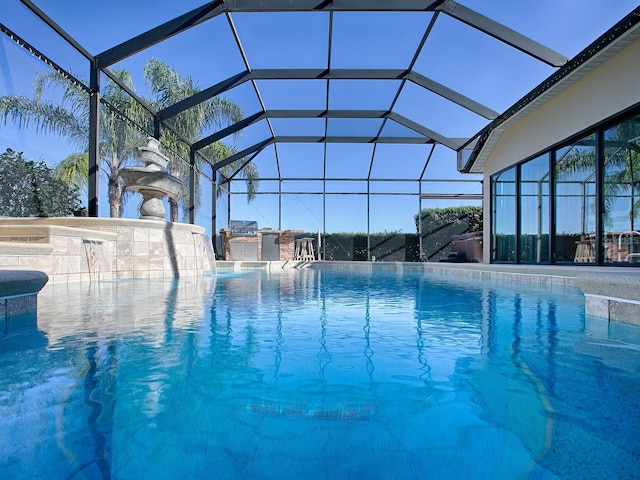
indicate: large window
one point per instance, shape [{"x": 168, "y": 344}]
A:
[
  {"x": 577, "y": 203},
  {"x": 621, "y": 192},
  {"x": 504, "y": 217},
  {"x": 534, "y": 208}
]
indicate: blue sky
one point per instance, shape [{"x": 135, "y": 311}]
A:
[{"x": 455, "y": 55}]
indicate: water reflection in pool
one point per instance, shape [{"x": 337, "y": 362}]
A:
[{"x": 312, "y": 374}]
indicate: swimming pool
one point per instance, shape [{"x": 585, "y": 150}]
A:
[{"x": 318, "y": 374}]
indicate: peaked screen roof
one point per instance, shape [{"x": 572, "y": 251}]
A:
[{"x": 401, "y": 83}]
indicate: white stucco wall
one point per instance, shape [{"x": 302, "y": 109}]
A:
[{"x": 607, "y": 90}]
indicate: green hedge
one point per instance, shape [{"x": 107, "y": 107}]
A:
[
  {"x": 440, "y": 224},
  {"x": 385, "y": 247}
]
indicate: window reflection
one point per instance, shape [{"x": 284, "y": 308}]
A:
[
  {"x": 562, "y": 202},
  {"x": 621, "y": 216},
  {"x": 534, "y": 207},
  {"x": 504, "y": 215},
  {"x": 575, "y": 205}
]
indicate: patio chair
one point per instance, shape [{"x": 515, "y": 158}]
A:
[{"x": 630, "y": 255}]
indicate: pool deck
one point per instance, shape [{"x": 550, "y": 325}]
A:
[{"x": 610, "y": 292}]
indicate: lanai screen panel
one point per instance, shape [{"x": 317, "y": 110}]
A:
[{"x": 345, "y": 80}]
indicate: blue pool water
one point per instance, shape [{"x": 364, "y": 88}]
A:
[{"x": 318, "y": 375}]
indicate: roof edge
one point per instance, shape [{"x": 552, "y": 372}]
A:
[{"x": 606, "y": 40}]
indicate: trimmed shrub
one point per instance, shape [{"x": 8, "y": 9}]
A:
[
  {"x": 385, "y": 247},
  {"x": 440, "y": 224}
]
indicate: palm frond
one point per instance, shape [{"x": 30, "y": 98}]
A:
[
  {"x": 168, "y": 88},
  {"x": 52, "y": 80},
  {"x": 220, "y": 112},
  {"x": 45, "y": 117},
  {"x": 74, "y": 169},
  {"x": 164, "y": 82}
]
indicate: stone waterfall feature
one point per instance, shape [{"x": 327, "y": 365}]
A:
[
  {"x": 92, "y": 249},
  {"x": 152, "y": 181}
]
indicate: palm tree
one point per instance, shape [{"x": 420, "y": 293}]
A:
[
  {"x": 622, "y": 168},
  {"x": 118, "y": 139},
  {"x": 74, "y": 170},
  {"x": 168, "y": 88},
  {"x": 70, "y": 118}
]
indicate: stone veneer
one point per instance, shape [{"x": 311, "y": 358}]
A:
[
  {"x": 286, "y": 242},
  {"x": 79, "y": 249}
]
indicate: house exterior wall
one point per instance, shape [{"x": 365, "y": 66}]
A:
[{"x": 607, "y": 90}]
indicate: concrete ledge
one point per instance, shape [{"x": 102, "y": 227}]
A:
[
  {"x": 43, "y": 233},
  {"x": 543, "y": 276},
  {"x": 271, "y": 265},
  {"x": 94, "y": 223},
  {"x": 623, "y": 285},
  {"x": 614, "y": 296},
  {"x": 557, "y": 277},
  {"x": 25, "y": 248}
]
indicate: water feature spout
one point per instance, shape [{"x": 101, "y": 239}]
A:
[{"x": 152, "y": 181}]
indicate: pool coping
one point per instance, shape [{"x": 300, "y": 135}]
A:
[{"x": 610, "y": 292}]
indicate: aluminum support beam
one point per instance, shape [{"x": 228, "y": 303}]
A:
[
  {"x": 502, "y": 33},
  {"x": 214, "y": 210},
  {"x": 230, "y": 130},
  {"x": 426, "y": 164},
  {"x": 336, "y": 139},
  {"x": 157, "y": 128},
  {"x": 192, "y": 186},
  {"x": 321, "y": 139},
  {"x": 326, "y": 132},
  {"x": 449, "y": 7},
  {"x": 416, "y": 127},
  {"x": 327, "y": 113},
  {"x": 247, "y": 151},
  {"x": 429, "y": 135},
  {"x": 244, "y": 164},
  {"x": 452, "y": 95},
  {"x": 129, "y": 91},
  {"x": 204, "y": 95},
  {"x": 416, "y": 55},
  {"x": 332, "y": 5},
  {"x": 310, "y": 139},
  {"x": 22, "y": 43},
  {"x": 94, "y": 141},
  {"x": 451, "y": 196},
  {"x": 377, "y": 179},
  {"x": 56, "y": 28},
  {"x": 160, "y": 33},
  {"x": 376, "y": 74},
  {"x": 328, "y": 74}
]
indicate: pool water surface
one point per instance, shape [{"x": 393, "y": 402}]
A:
[{"x": 312, "y": 374}]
